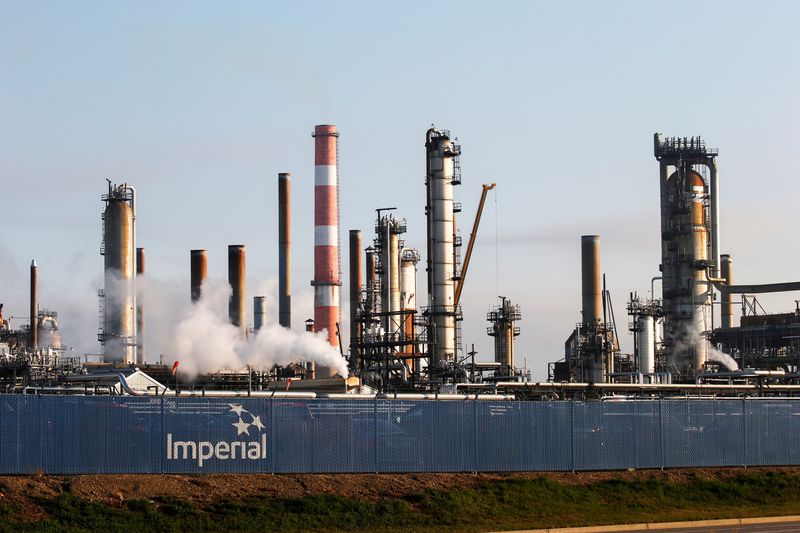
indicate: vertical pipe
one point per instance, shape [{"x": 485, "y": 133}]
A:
[
  {"x": 236, "y": 279},
  {"x": 355, "y": 291},
  {"x": 140, "y": 354},
  {"x": 311, "y": 366},
  {"x": 371, "y": 278},
  {"x": 726, "y": 311},
  {"x": 259, "y": 313},
  {"x": 590, "y": 277},
  {"x": 199, "y": 272},
  {"x": 326, "y": 236},
  {"x": 714, "y": 185},
  {"x": 34, "y": 315},
  {"x": 284, "y": 250}
]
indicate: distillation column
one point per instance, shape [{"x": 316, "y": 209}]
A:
[
  {"x": 119, "y": 294},
  {"x": 326, "y": 237},
  {"x": 442, "y": 154},
  {"x": 726, "y": 311},
  {"x": 409, "y": 258}
]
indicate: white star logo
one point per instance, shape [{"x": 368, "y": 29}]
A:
[{"x": 241, "y": 426}]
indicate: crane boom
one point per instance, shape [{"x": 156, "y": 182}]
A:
[{"x": 472, "y": 236}]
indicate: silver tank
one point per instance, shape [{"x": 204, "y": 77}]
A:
[
  {"x": 119, "y": 324},
  {"x": 442, "y": 153}
]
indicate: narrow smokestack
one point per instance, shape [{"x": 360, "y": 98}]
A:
[
  {"x": 199, "y": 273},
  {"x": 726, "y": 311},
  {"x": 236, "y": 279},
  {"x": 590, "y": 275},
  {"x": 34, "y": 333},
  {"x": 326, "y": 236},
  {"x": 140, "y": 356},
  {"x": 311, "y": 366},
  {"x": 355, "y": 289},
  {"x": 284, "y": 250},
  {"x": 259, "y": 312}
]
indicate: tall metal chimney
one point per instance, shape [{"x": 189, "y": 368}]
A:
[
  {"x": 140, "y": 353},
  {"x": 198, "y": 260},
  {"x": 442, "y": 173},
  {"x": 327, "y": 273},
  {"x": 726, "y": 311},
  {"x": 355, "y": 290},
  {"x": 34, "y": 317},
  {"x": 591, "y": 291},
  {"x": 119, "y": 294},
  {"x": 284, "y": 250},
  {"x": 236, "y": 278},
  {"x": 259, "y": 312}
]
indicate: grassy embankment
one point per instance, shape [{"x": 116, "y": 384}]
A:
[{"x": 505, "y": 504}]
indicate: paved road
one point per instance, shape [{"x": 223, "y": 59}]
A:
[{"x": 783, "y": 527}]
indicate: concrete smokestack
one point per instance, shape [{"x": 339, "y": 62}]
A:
[
  {"x": 327, "y": 276},
  {"x": 34, "y": 316},
  {"x": 140, "y": 353},
  {"x": 284, "y": 250},
  {"x": 726, "y": 311},
  {"x": 259, "y": 312},
  {"x": 590, "y": 280},
  {"x": 199, "y": 272},
  {"x": 355, "y": 289},
  {"x": 236, "y": 278}
]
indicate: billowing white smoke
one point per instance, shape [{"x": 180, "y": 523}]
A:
[
  {"x": 692, "y": 339},
  {"x": 202, "y": 340}
]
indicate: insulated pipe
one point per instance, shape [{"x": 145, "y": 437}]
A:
[
  {"x": 284, "y": 250},
  {"x": 714, "y": 186},
  {"x": 726, "y": 311},
  {"x": 355, "y": 289},
  {"x": 590, "y": 277},
  {"x": 34, "y": 318},
  {"x": 326, "y": 236},
  {"x": 663, "y": 175},
  {"x": 140, "y": 355},
  {"x": 259, "y": 312},
  {"x": 199, "y": 272},
  {"x": 236, "y": 279}
]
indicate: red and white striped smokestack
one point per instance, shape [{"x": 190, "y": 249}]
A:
[{"x": 327, "y": 279}]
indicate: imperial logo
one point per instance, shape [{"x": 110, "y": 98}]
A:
[{"x": 239, "y": 449}]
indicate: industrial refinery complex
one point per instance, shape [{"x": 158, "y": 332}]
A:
[{"x": 405, "y": 311}]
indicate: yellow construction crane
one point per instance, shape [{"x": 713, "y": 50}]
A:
[{"x": 465, "y": 266}]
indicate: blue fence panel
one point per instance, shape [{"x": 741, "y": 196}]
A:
[{"x": 83, "y": 434}]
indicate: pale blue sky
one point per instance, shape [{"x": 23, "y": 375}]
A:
[{"x": 201, "y": 104}]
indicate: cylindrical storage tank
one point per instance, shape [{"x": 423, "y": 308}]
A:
[
  {"x": 326, "y": 236},
  {"x": 441, "y": 155},
  {"x": 259, "y": 312},
  {"x": 409, "y": 258},
  {"x": 119, "y": 338},
  {"x": 199, "y": 271},
  {"x": 646, "y": 344},
  {"x": 355, "y": 289},
  {"x": 236, "y": 279},
  {"x": 34, "y": 308},
  {"x": 591, "y": 291},
  {"x": 726, "y": 311},
  {"x": 140, "y": 354},
  {"x": 284, "y": 251}
]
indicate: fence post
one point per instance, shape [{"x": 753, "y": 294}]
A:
[
  {"x": 375, "y": 440},
  {"x": 475, "y": 433},
  {"x": 572, "y": 433},
  {"x": 744, "y": 432},
  {"x": 661, "y": 431}
]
